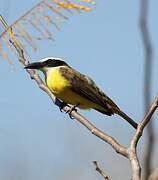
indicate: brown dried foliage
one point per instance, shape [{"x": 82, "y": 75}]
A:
[{"x": 36, "y": 23}]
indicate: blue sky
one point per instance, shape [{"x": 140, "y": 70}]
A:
[{"x": 39, "y": 142}]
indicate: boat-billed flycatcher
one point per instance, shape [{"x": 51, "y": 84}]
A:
[{"x": 74, "y": 88}]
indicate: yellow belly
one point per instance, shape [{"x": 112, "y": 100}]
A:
[
  {"x": 71, "y": 97},
  {"x": 61, "y": 88}
]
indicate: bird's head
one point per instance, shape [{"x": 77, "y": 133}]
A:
[{"x": 46, "y": 63}]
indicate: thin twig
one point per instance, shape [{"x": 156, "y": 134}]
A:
[{"x": 100, "y": 171}]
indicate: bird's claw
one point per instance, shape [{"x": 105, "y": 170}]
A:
[
  {"x": 73, "y": 108},
  {"x": 62, "y": 105}
]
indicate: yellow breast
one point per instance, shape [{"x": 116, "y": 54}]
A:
[{"x": 55, "y": 81}]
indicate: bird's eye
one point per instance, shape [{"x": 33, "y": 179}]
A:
[{"x": 49, "y": 60}]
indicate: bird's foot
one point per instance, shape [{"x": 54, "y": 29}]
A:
[
  {"x": 73, "y": 108},
  {"x": 62, "y": 105}
]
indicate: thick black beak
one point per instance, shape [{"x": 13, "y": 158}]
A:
[{"x": 36, "y": 65}]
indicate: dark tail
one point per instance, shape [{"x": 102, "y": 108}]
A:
[{"x": 126, "y": 117}]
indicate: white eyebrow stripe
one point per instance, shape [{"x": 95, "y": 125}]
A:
[{"x": 45, "y": 59}]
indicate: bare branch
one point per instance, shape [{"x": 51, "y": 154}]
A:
[
  {"x": 108, "y": 139},
  {"x": 132, "y": 154},
  {"x": 100, "y": 171},
  {"x": 148, "y": 50}
]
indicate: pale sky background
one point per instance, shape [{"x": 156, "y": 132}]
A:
[{"x": 39, "y": 142}]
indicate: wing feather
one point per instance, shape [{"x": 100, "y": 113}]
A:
[{"x": 86, "y": 87}]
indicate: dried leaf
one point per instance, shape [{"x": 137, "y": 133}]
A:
[{"x": 89, "y": 1}]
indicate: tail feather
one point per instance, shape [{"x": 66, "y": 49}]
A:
[
  {"x": 107, "y": 112},
  {"x": 126, "y": 117}
]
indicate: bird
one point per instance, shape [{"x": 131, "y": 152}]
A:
[{"x": 76, "y": 89}]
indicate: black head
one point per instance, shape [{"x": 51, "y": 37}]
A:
[
  {"x": 46, "y": 62},
  {"x": 54, "y": 62}
]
